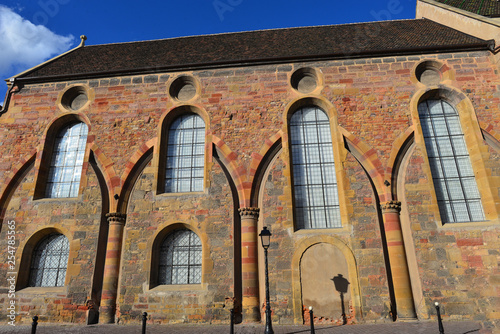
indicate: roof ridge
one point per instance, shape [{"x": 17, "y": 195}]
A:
[{"x": 250, "y": 31}]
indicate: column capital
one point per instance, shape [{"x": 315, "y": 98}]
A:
[
  {"x": 116, "y": 218},
  {"x": 249, "y": 212},
  {"x": 391, "y": 206}
]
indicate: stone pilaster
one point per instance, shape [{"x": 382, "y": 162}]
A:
[
  {"x": 249, "y": 265},
  {"x": 107, "y": 310},
  {"x": 397, "y": 259}
]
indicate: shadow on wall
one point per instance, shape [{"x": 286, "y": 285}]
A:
[{"x": 341, "y": 285}]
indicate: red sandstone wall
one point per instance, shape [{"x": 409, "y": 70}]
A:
[{"x": 246, "y": 107}]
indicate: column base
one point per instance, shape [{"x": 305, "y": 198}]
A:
[
  {"x": 251, "y": 315},
  {"x": 106, "y": 315}
]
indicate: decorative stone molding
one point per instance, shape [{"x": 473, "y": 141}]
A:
[
  {"x": 391, "y": 206},
  {"x": 116, "y": 217},
  {"x": 249, "y": 212}
]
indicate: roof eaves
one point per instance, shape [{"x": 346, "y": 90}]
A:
[{"x": 480, "y": 46}]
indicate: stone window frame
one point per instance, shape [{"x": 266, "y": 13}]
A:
[
  {"x": 460, "y": 160},
  {"x": 160, "y": 155},
  {"x": 40, "y": 260},
  {"x": 54, "y": 184},
  {"x": 176, "y": 251},
  {"x": 154, "y": 258},
  {"x": 474, "y": 141},
  {"x": 46, "y": 151},
  {"x": 339, "y": 155},
  {"x": 66, "y": 95},
  {"x": 26, "y": 259}
]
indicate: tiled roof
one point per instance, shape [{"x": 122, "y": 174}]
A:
[
  {"x": 258, "y": 47},
  {"x": 490, "y": 8}
]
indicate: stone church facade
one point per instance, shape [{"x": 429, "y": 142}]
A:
[{"x": 136, "y": 178}]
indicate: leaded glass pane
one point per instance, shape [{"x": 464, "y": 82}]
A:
[
  {"x": 436, "y": 168},
  {"x": 441, "y": 191},
  {"x": 454, "y": 126},
  {"x": 180, "y": 258},
  {"x": 313, "y": 154},
  {"x": 449, "y": 167},
  {"x": 185, "y": 154},
  {"x": 67, "y": 160},
  {"x": 439, "y": 125},
  {"x": 444, "y": 147},
  {"x": 49, "y": 261},
  {"x": 461, "y": 211},
  {"x": 314, "y": 179},
  {"x": 476, "y": 207},
  {"x": 326, "y": 154},
  {"x": 464, "y": 166},
  {"x": 459, "y": 146},
  {"x": 456, "y": 188},
  {"x": 198, "y": 173},
  {"x": 432, "y": 147},
  {"x": 470, "y": 188}
]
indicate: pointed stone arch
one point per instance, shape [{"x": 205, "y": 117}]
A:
[
  {"x": 133, "y": 168},
  {"x": 237, "y": 173},
  {"x": 367, "y": 157},
  {"x": 105, "y": 168},
  {"x": 399, "y": 149},
  {"x": 491, "y": 136},
  {"x": 260, "y": 163},
  {"x": 12, "y": 181}
]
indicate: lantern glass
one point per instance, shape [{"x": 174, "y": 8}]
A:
[{"x": 265, "y": 237}]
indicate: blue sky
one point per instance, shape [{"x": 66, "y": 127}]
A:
[{"x": 32, "y": 31}]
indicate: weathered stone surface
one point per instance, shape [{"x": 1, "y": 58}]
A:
[{"x": 369, "y": 102}]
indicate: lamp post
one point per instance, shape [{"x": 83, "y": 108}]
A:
[{"x": 265, "y": 238}]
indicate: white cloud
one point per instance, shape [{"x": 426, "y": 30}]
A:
[{"x": 24, "y": 44}]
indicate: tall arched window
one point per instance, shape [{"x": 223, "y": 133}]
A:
[
  {"x": 314, "y": 179},
  {"x": 456, "y": 188},
  {"x": 185, "y": 154},
  {"x": 67, "y": 160},
  {"x": 49, "y": 261},
  {"x": 180, "y": 258}
]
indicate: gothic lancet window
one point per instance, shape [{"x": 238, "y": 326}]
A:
[
  {"x": 314, "y": 179},
  {"x": 180, "y": 258},
  {"x": 67, "y": 160},
  {"x": 454, "y": 181},
  {"x": 185, "y": 154},
  {"x": 49, "y": 261}
]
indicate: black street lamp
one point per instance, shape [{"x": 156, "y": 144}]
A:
[{"x": 265, "y": 238}]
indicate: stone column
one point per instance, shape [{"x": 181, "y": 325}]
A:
[
  {"x": 249, "y": 264},
  {"x": 107, "y": 309},
  {"x": 397, "y": 259}
]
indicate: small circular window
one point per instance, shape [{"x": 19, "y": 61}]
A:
[
  {"x": 428, "y": 72},
  {"x": 430, "y": 77},
  {"x": 74, "y": 98},
  {"x": 183, "y": 88},
  {"x": 304, "y": 80}
]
